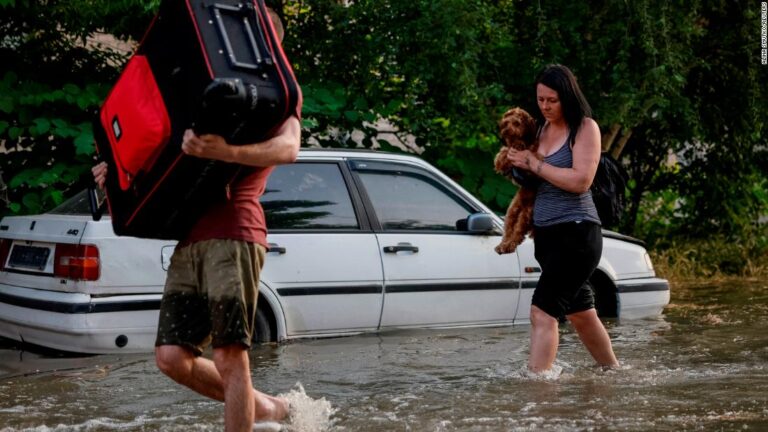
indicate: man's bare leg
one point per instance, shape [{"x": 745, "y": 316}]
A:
[
  {"x": 239, "y": 403},
  {"x": 544, "y": 341},
  {"x": 201, "y": 375},
  {"x": 594, "y": 337}
]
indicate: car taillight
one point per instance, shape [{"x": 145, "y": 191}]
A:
[
  {"x": 79, "y": 262},
  {"x": 5, "y": 247}
]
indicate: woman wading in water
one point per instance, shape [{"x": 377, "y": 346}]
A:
[{"x": 568, "y": 241}]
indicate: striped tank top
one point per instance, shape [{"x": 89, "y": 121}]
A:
[{"x": 554, "y": 205}]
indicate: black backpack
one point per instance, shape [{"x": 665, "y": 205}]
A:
[{"x": 608, "y": 190}]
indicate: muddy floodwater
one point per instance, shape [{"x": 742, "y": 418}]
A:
[{"x": 702, "y": 365}]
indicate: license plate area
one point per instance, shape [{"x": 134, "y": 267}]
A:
[{"x": 31, "y": 257}]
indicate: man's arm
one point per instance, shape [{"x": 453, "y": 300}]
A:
[{"x": 282, "y": 148}]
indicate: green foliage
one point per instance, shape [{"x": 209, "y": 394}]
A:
[
  {"x": 665, "y": 81},
  {"x": 429, "y": 68},
  {"x": 676, "y": 87},
  {"x": 736, "y": 245},
  {"x": 53, "y": 78},
  {"x": 709, "y": 258}
]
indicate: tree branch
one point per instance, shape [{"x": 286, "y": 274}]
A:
[
  {"x": 610, "y": 136},
  {"x": 619, "y": 147}
]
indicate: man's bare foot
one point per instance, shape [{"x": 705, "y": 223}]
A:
[
  {"x": 270, "y": 407},
  {"x": 282, "y": 405}
]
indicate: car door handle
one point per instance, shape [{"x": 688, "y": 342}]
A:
[
  {"x": 401, "y": 247},
  {"x": 274, "y": 247}
]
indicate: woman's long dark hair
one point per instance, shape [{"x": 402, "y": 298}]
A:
[{"x": 574, "y": 105}]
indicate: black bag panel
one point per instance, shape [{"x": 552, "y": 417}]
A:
[
  {"x": 179, "y": 65},
  {"x": 192, "y": 186},
  {"x": 244, "y": 53},
  {"x": 608, "y": 189}
]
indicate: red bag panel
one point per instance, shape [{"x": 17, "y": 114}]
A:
[{"x": 136, "y": 120}]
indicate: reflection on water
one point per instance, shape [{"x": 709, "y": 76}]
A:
[{"x": 701, "y": 366}]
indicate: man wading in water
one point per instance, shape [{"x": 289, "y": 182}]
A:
[{"x": 212, "y": 284}]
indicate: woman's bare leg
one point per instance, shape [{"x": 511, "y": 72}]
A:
[
  {"x": 544, "y": 340},
  {"x": 594, "y": 337}
]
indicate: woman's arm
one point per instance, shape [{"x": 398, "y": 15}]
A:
[
  {"x": 282, "y": 148},
  {"x": 586, "y": 156}
]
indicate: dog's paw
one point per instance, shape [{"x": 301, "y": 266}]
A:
[{"x": 503, "y": 249}]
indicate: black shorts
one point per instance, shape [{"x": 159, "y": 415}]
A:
[{"x": 568, "y": 253}]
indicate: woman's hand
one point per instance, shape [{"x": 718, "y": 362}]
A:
[
  {"x": 100, "y": 174},
  {"x": 206, "y": 146},
  {"x": 524, "y": 159}
]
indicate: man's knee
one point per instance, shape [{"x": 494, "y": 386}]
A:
[{"x": 174, "y": 360}]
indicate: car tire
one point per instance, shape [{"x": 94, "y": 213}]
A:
[
  {"x": 606, "y": 298},
  {"x": 263, "y": 333}
]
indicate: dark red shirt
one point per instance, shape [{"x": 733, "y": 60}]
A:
[{"x": 240, "y": 217}]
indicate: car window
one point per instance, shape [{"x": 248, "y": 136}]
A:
[
  {"x": 77, "y": 205},
  {"x": 308, "y": 196},
  {"x": 406, "y": 200}
]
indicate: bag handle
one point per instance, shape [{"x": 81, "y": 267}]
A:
[{"x": 245, "y": 13}]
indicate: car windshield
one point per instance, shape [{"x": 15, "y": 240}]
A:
[{"x": 77, "y": 205}]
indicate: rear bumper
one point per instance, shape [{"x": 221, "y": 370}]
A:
[
  {"x": 642, "y": 297},
  {"x": 77, "y": 322},
  {"x": 642, "y": 285}
]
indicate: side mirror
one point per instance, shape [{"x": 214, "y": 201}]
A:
[{"x": 480, "y": 223}]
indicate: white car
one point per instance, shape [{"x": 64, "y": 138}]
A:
[{"x": 360, "y": 241}]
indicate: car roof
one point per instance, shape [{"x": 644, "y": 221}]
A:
[{"x": 338, "y": 153}]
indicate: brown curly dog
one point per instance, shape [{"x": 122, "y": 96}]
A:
[{"x": 518, "y": 131}]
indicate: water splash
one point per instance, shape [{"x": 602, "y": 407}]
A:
[
  {"x": 521, "y": 372},
  {"x": 551, "y": 374},
  {"x": 554, "y": 373},
  {"x": 267, "y": 426},
  {"x": 307, "y": 414}
]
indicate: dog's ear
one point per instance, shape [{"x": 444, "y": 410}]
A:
[
  {"x": 530, "y": 128},
  {"x": 505, "y": 125}
]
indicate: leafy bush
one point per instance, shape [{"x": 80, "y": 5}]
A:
[
  {"x": 712, "y": 258},
  {"x": 666, "y": 81},
  {"x": 53, "y": 77}
]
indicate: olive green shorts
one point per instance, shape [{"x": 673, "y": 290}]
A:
[{"x": 210, "y": 295}]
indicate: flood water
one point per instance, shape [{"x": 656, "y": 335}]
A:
[{"x": 703, "y": 365}]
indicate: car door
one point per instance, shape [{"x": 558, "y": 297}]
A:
[
  {"x": 436, "y": 273},
  {"x": 323, "y": 260}
]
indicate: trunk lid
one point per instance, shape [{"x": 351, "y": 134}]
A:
[{"x": 28, "y": 248}]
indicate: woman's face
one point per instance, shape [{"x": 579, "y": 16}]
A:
[{"x": 549, "y": 103}]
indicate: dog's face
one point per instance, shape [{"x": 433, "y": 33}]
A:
[{"x": 518, "y": 129}]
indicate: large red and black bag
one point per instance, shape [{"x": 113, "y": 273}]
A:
[{"x": 213, "y": 66}]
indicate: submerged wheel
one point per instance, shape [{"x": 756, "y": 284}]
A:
[
  {"x": 263, "y": 331},
  {"x": 606, "y": 296}
]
